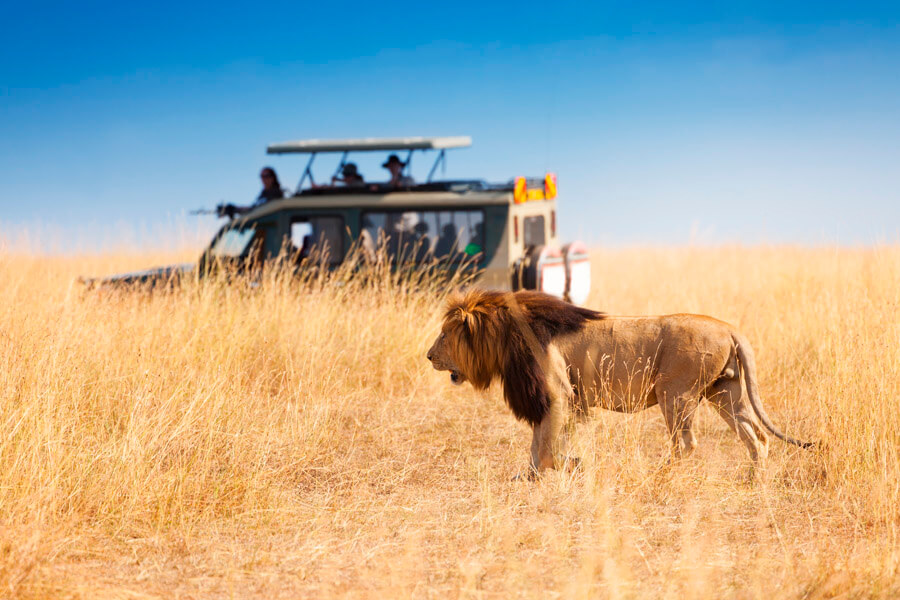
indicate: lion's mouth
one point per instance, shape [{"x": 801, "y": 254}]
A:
[{"x": 455, "y": 377}]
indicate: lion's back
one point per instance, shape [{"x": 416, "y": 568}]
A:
[
  {"x": 701, "y": 331},
  {"x": 661, "y": 341}
]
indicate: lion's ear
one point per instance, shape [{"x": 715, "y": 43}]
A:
[{"x": 524, "y": 383}]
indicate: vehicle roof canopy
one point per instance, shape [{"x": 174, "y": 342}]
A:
[{"x": 370, "y": 144}]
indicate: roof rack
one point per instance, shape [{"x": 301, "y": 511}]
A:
[
  {"x": 370, "y": 144},
  {"x": 313, "y": 147}
]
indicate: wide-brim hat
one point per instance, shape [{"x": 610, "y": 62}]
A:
[
  {"x": 393, "y": 159},
  {"x": 349, "y": 169}
]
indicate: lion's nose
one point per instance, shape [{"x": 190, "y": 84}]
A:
[{"x": 429, "y": 356}]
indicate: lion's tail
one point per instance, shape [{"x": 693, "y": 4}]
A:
[{"x": 748, "y": 363}]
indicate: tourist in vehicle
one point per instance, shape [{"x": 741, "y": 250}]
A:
[
  {"x": 271, "y": 187},
  {"x": 307, "y": 246},
  {"x": 446, "y": 244},
  {"x": 478, "y": 235},
  {"x": 350, "y": 176},
  {"x": 421, "y": 241},
  {"x": 476, "y": 244},
  {"x": 271, "y": 191},
  {"x": 396, "y": 166}
]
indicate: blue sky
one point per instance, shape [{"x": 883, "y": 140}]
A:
[{"x": 666, "y": 122}]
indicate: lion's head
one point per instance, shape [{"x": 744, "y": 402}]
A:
[
  {"x": 488, "y": 335},
  {"x": 441, "y": 359},
  {"x": 470, "y": 342}
]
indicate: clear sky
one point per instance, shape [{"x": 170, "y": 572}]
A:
[{"x": 666, "y": 122}]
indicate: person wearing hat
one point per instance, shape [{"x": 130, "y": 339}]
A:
[
  {"x": 349, "y": 176},
  {"x": 395, "y": 166}
]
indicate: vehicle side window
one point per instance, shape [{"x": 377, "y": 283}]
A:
[
  {"x": 415, "y": 236},
  {"x": 533, "y": 230},
  {"x": 325, "y": 234}
]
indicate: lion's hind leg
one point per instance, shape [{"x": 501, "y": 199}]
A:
[{"x": 731, "y": 402}]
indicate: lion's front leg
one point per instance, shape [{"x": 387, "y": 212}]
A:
[
  {"x": 543, "y": 445},
  {"x": 540, "y": 459},
  {"x": 547, "y": 437},
  {"x": 548, "y": 445}
]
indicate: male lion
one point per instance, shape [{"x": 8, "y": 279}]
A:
[{"x": 556, "y": 360}]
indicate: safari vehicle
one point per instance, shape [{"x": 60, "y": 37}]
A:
[{"x": 506, "y": 232}]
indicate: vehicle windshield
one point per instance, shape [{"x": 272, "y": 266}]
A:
[{"x": 233, "y": 243}]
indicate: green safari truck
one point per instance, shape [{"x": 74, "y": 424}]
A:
[{"x": 506, "y": 231}]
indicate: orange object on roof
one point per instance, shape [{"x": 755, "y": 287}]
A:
[
  {"x": 520, "y": 191},
  {"x": 550, "y": 186}
]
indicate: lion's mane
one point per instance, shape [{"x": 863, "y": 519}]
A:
[{"x": 500, "y": 334}]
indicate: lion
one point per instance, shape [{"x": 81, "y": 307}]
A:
[{"x": 555, "y": 360}]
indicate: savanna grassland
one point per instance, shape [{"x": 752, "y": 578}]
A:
[{"x": 292, "y": 441}]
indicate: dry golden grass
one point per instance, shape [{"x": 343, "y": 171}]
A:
[{"x": 294, "y": 442}]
